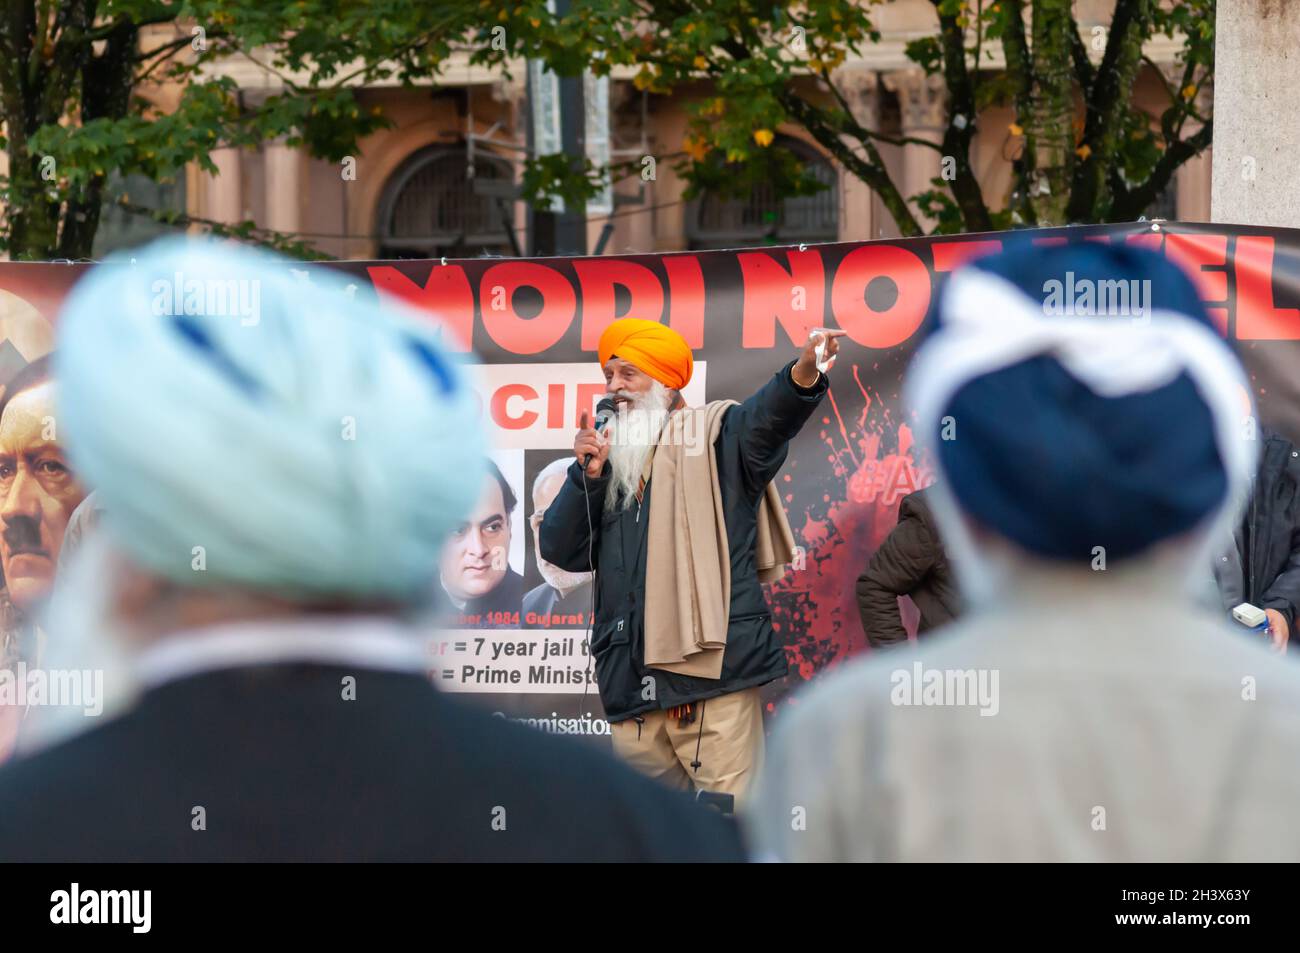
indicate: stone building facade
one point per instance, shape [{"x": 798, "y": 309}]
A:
[{"x": 408, "y": 192}]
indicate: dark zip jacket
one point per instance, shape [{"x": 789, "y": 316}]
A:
[
  {"x": 1270, "y": 544},
  {"x": 750, "y": 450}
]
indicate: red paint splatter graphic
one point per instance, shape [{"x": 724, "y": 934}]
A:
[{"x": 840, "y": 516}]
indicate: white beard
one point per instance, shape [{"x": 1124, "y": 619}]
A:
[{"x": 632, "y": 438}]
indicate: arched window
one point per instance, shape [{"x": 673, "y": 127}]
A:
[
  {"x": 429, "y": 208},
  {"x": 760, "y": 218}
]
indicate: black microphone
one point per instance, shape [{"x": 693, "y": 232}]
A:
[{"x": 605, "y": 411}]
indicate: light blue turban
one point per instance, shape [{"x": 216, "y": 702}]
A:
[{"x": 311, "y": 443}]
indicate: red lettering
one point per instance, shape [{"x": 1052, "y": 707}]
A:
[
  {"x": 948, "y": 255},
  {"x": 685, "y": 297},
  {"x": 862, "y": 266},
  {"x": 794, "y": 297},
  {"x": 1148, "y": 240},
  {"x": 505, "y": 326},
  {"x": 1193, "y": 253},
  {"x": 597, "y": 277},
  {"x": 1257, "y": 318},
  {"x": 902, "y": 481},
  {"x": 446, "y": 298},
  {"x": 554, "y": 406},
  {"x": 501, "y": 415}
]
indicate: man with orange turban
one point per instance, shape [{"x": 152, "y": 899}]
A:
[{"x": 682, "y": 634}]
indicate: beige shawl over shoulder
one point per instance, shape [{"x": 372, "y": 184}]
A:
[{"x": 688, "y": 558}]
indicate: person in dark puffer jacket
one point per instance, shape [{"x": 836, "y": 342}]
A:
[{"x": 910, "y": 562}]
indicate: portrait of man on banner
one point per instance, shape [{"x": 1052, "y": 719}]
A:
[
  {"x": 38, "y": 494},
  {"x": 562, "y": 599},
  {"x": 475, "y": 574}
]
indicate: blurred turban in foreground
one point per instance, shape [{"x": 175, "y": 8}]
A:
[
  {"x": 1091, "y": 404},
  {"x": 242, "y": 425}
]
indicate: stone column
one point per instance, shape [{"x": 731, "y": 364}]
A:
[
  {"x": 861, "y": 88},
  {"x": 225, "y": 190},
  {"x": 284, "y": 187},
  {"x": 1256, "y": 179},
  {"x": 1256, "y": 123},
  {"x": 921, "y": 101}
]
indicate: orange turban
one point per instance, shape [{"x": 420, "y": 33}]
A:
[{"x": 651, "y": 347}]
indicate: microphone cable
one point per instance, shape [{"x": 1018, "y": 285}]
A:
[
  {"x": 591, "y": 567},
  {"x": 591, "y": 615}
]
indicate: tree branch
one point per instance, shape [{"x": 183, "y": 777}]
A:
[
  {"x": 830, "y": 134},
  {"x": 1132, "y": 203},
  {"x": 871, "y": 170},
  {"x": 286, "y": 242},
  {"x": 1109, "y": 100},
  {"x": 1015, "y": 48},
  {"x": 1082, "y": 64},
  {"x": 860, "y": 132},
  {"x": 961, "y": 123}
]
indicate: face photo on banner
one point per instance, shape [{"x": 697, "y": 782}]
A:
[
  {"x": 38, "y": 494},
  {"x": 554, "y": 598},
  {"x": 480, "y": 572}
]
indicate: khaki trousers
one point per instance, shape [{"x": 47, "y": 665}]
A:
[{"x": 727, "y": 731}]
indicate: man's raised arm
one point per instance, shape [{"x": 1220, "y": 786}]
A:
[{"x": 764, "y": 424}]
